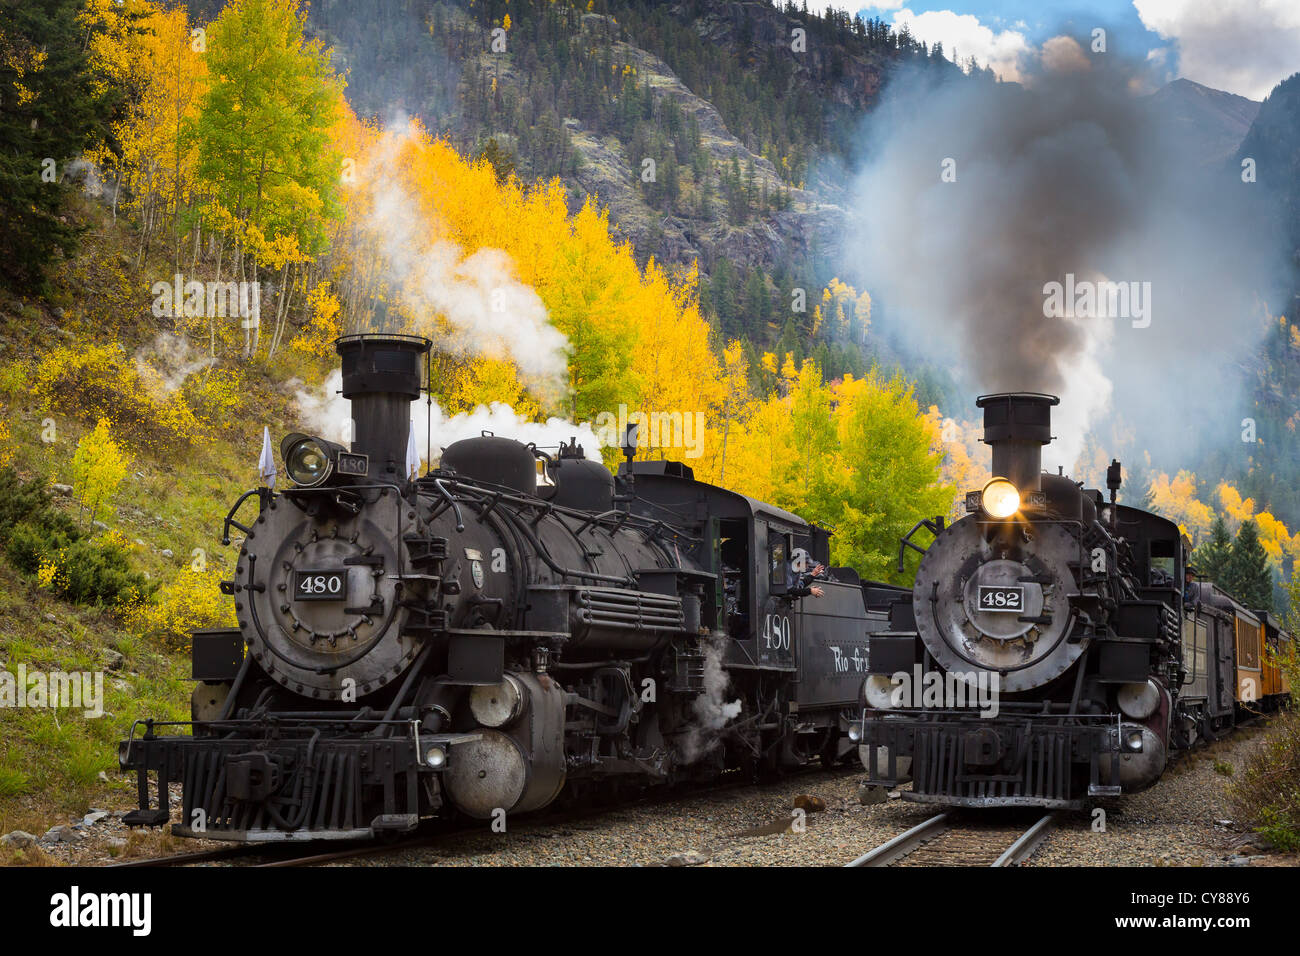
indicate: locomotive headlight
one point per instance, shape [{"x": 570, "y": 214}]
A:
[
  {"x": 1133, "y": 740},
  {"x": 436, "y": 758},
  {"x": 878, "y": 692},
  {"x": 1000, "y": 498},
  {"x": 308, "y": 462},
  {"x": 855, "y": 732}
]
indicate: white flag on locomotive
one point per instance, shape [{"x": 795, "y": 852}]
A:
[
  {"x": 266, "y": 463},
  {"x": 412, "y": 454}
]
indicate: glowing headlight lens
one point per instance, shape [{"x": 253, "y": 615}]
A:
[
  {"x": 436, "y": 758},
  {"x": 308, "y": 463},
  {"x": 1133, "y": 740},
  {"x": 1001, "y": 499},
  {"x": 855, "y": 732}
]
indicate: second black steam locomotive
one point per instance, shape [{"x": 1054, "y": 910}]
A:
[
  {"x": 511, "y": 628},
  {"x": 1101, "y": 653}
]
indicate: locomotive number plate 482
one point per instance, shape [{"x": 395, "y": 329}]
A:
[
  {"x": 1006, "y": 598},
  {"x": 320, "y": 585}
]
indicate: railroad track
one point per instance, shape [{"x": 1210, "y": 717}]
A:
[
  {"x": 350, "y": 853},
  {"x": 280, "y": 854},
  {"x": 200, "y": 856},
  {"x": 309, "y": 854},
  {"x": 944, "y": 840}
]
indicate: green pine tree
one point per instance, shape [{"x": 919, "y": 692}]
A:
[
  {"x": 1211, "y": 558},
  {"x": 1248, "y": 575},
  {"x": 47, "y": 115},
  {"x": 499, "y": 158}
]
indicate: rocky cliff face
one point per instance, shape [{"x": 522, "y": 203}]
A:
[{"x": 610, "y": 173}]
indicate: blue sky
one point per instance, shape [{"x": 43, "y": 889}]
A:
[
  {"x": 1038, "y": 19},
  {"x": 1243, "y": 46}
]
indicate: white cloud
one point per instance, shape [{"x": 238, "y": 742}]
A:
[
  {"x": 964, "y": 35},
  {"x": 1243, "y": 46}
]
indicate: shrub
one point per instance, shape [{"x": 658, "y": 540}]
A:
[
  {"x": 13, "y": 378},
  {"x": 25, "y": 504},
  {"x": 216, "y": 395},
  {"x": 43, "y": 542},
  {"x": 31, "y": 546},
  {"x": 190, "y": 601},
  {"x": 1266, "y": 795},
  {"x": 98, "y": 381},
  {"x": 97, "y": 571}
]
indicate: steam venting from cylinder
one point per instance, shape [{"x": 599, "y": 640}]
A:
[
  {"x": 1017, "y": 425},
  {"x": 381, "y": 377}
]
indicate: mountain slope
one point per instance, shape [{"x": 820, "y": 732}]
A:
[
  {"x": 1213, "y": 121},
  {"x": 1274, "y": 144},
  {"x": 711, "y": 131}
]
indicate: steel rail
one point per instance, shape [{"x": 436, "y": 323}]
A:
[
  {"x": 1028, "y": 841},
  {"x": 900, "y": 846},
  {"x": 904, "y": 843}
]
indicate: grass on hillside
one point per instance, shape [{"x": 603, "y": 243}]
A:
[
  {"x": 50, "y": 760},
  {"x": 171, "y": 502}
]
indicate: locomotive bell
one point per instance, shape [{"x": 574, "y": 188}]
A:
[
  {"x": 381, "y": 377},
  {"x": 1017, "y": 425}
]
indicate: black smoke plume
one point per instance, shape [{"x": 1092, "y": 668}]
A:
[{"x": 1069, "y": 174}]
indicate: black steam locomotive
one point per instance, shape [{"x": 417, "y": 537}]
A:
[
  {"x": 1051, "y": 649},
  {"x": 511, "y": 628}
]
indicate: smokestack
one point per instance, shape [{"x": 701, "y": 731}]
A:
[
  {"x": 381, "y": 377},
  {"x": 1017, "y": 425}
]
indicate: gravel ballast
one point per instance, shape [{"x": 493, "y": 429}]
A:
[{"x": 1185, "y": 820}]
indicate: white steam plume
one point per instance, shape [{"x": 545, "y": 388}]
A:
[
  {"x": 328, "y": 414},
  {"x": 712, "y": 709},
  {"x": 166, "y": 362},
  {"x": 489, "y": 311}
]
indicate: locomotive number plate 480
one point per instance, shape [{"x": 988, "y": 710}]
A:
[
  {"x": 320, "y": 585},
  {"x": 1006, "y": 598}
]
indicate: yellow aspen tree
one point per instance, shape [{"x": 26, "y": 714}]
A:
[{"x": 98, "y": 467}]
